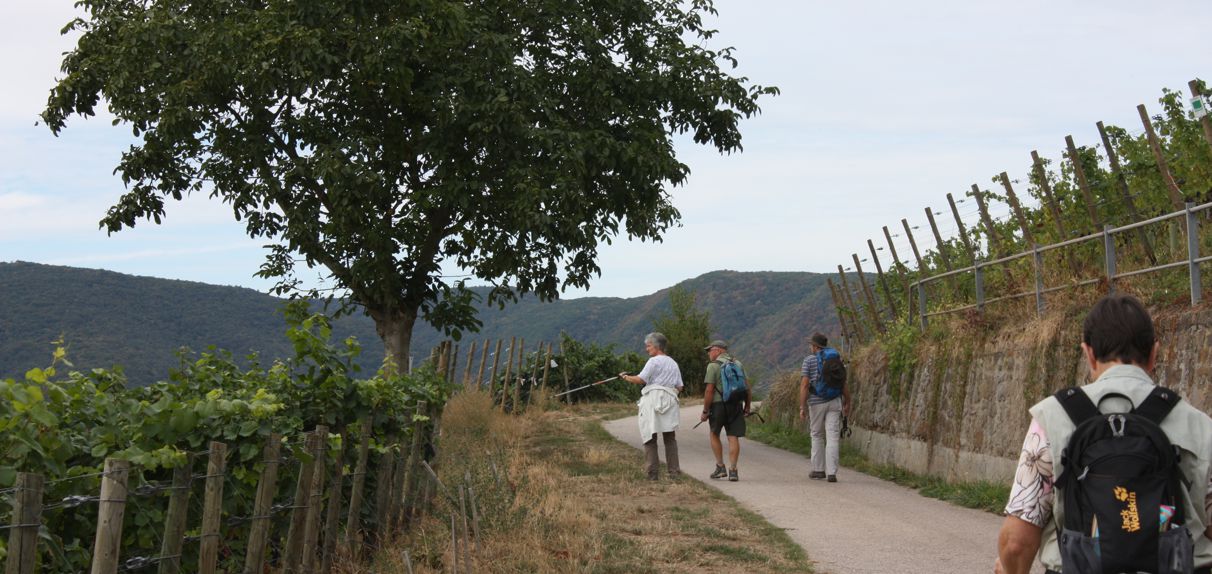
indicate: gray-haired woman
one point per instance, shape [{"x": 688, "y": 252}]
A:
[{"x": 662, "y": 379}]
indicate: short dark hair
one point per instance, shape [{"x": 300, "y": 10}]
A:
[
  {"x": 1119, "y": 328},
  {"x": 819, "y": 339}
]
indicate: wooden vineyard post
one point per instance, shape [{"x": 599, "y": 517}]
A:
[
  {"x": 546, "y": 366},
  {"x": 854, "y": 311},
  {"x": 1049, "y": 200},
  {"x": 298, "y": 516},
  {"x": 938, "y": 240},
  {"x": 515, "y": 408},
  {"x": 353, "y": 526},
  {"x": 837, "y": 306},
  {"x": 1206, "y": 120},
  {"x": 262, "y": 520},
  {"x": 959, "y": 224},
  {"x": 483, "y": 362},
  {"x": 879, "y": 270},
  {"x": 872, "y": 308},
  {"x": 492, "y": 380},
  {"x": 311, "y": 529},
  {"x": 995, "y": 241},
  {"x": 212, "y": 508},
  {"x": 564, "y": 361},
  {"x": 900, "y": 272},
  {"x": 1176, "y": 197},
  {"x": 385, "y": 481},
  {"x": 513, "y": 347},
  {"x": 407, "y": 489},
  {"x": 1122, "y": 183},
  {"x": 471, "y": 357},
  {"x": 175, "y": 520},
  {"x": 107, "y": 544},
  {"x": 332, "y": 520},
  {"x": 1076, "y": 161},
  {"x": 1018, "y": 212},
  {"x": 27, "y": 518}
]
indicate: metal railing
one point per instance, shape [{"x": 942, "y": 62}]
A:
[{"x": 1109, "y": 261}]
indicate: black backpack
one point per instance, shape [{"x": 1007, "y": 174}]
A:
[{"x": 1122, "y": 489}]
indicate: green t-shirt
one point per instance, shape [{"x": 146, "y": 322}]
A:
[{"x": 713, "y": 372}]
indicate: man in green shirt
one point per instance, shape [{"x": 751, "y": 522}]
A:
[{"x": 722, "y": 416}]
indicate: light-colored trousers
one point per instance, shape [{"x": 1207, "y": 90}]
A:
[{"x": 825, "y": 426}]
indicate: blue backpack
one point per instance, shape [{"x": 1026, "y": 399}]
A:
[
  {"x": 732, "y": 377},
  {"x": 831, "y": 374}
]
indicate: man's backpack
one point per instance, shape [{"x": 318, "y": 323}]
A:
[
  {"x": 831, "y": 374},
  {"x": 1122, "y": 490},
  {"x": 732, "y": 379}
]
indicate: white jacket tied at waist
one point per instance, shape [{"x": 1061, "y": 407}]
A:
[{"x": 659, "y": 411}]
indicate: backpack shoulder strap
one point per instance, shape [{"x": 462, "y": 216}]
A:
[
  {"x": 1077, "y": 404},
  {"x": 1159, "y": 404}
]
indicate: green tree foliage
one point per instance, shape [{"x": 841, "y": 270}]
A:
[
  {"x": 63, "y": 426},
  {"x": 689, "y": 330},
  {"x": 380, "y": 139},
  {"x": 586, "y": 363}
]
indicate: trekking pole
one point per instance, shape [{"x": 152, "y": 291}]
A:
[{"x": 586, "y": 386}]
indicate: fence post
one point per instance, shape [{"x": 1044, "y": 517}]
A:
[
  {"x": 174, "y": 521},
  {"x": 471, "y": 359},
  {"x": 108, "y": 543},
  {"x": 27, "y": 518},
  {"x": 1039, "y": 280},
  {"x": 1193, "y": 254},
  {"x": 959, "y": 223},
  {"x": 212, "y": 508},
  {"x": 262, "y": 519},
  {"x": 513, "y": 348},
  {"x": 1109, "y": 254},
  {"x": 938, "y": 240},
  {"x": 900, "y": 271},
  {"x": 521, "y": 376},
  {"x": 546, "y": 366},
  {"x": 1050, "y": 200},
  {"x": 407, "y": 490},
  {"x": 837, "y": 306},
  {"x": 1018, "y": 211}
]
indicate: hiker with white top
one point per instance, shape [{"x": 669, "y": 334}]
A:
[{"x": 662, "y": 379}]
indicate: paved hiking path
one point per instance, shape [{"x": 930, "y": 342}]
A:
[{"x": 859, "y": 524}]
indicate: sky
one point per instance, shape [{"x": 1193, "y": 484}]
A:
[{"x": 886, "y": 107}]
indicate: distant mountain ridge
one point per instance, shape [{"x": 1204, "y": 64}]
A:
[{"x": 109, "y": 318}]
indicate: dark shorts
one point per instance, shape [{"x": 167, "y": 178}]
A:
[{"x": 728, "y": 418}]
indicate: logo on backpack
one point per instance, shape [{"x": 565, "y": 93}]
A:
[
  {"x": 736, "y": 388},
  {"x": 831, "y": 374},
  {"x": 1122, "y": 490}
]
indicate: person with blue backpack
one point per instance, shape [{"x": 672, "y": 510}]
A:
[
  {"x": 726, "y": 403},
  {"x": 825, "y": 401}
]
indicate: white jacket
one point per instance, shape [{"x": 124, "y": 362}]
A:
[{"x": 659, "y": 411}]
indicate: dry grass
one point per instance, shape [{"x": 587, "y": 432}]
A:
[{"x": 570, "y": 498}]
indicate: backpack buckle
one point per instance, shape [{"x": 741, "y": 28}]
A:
[{"x": 1117, "y": 423}]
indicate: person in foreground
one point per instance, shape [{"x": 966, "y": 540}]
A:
[
  {"x": 662, "y": 379},
  {"x": 722, "y": 415},
  {"x": 823, "y": 403},
  {"x": 1055, "y": 514}
]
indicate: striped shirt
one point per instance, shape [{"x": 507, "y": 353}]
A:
[{"x": 812, "y": 371}]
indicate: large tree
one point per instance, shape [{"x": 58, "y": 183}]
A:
[{"x": 381, "y": 138}]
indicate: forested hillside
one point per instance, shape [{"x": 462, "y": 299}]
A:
[{"x": 109, "y": 318}]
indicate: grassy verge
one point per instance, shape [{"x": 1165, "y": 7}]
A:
[
  {"x": 559, "y": 494},
  {"x": 979, "y": 495}
]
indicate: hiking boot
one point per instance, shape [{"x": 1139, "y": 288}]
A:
[
  {"x": 816, "y": 474},
  {"x": 832, "y": 478},
  {"x": 720, "y": 471},
  {"x": 733, "y": 476}
]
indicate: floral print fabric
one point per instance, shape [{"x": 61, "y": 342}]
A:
[{"x": 1031, "y": 493}]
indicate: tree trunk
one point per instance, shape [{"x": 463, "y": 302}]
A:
[{"x": 395, "y": 328}]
